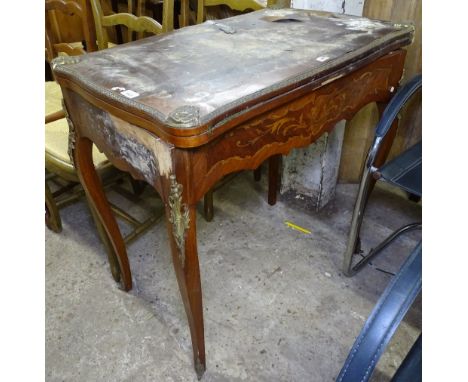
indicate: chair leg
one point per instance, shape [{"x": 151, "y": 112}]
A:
[
  {"x": 375, "y": 251},
  {"x": 208, "y": 206},
  {"x": 353, "y": 245},
  {"x": 52, "y": 215},
  {"x": 137, "y": 186},
  {"x": 365, "y": 188}
]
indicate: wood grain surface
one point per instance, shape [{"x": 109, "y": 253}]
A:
[{"x": 359, "y": 131}]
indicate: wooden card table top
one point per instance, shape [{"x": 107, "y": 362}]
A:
[
  {"x": 184, "y": 109},
  {"x": 188, "y": 82}
]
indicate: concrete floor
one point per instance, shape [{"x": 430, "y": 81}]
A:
[{"x": 276, "y": 305}]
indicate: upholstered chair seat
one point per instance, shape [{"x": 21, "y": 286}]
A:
[{"x": 56, "y": 133}]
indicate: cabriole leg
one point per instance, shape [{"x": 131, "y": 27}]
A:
[
  {"x": 83, "y": 160},
  {"x": 113, "y": 261},
  {"x": 181, "y": 227}
]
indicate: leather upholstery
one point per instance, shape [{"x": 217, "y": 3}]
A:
[
  {"x": 384, "y": 320},
  {"x": 396, "y": 103},
  {"x": 411, "y": 367},
  {"x": 405, "y": 171}
]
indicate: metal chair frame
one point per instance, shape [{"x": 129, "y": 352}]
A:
[{"x": 371, "y": 173}]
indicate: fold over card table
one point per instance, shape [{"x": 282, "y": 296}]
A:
[{"x": 183, "y": 109}]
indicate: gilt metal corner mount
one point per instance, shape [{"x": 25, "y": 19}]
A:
[{"x": 179, "y": 216}]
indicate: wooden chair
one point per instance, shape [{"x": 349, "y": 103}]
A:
[
  {"x": 153, "y": 9},
  {"x": 60, "y": 170},
  {"x": 235, "y": 5},
  {"x": 133, "y": 23},
  {"x": 55, "y": 42},
  {"x": 238, "y": 6},
  {"x": 57, "y": 162}
]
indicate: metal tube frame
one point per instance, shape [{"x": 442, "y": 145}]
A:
[
  {"x": 353, "y": 246},
  {"x": 354, "y": 242}
]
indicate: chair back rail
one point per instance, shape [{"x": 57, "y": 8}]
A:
[
  {"x": 134, "y": 23},
  {"x": 55, "y": 43},
  {"x": 239, "y": 5},
  {"x": 236, "y": 5}
]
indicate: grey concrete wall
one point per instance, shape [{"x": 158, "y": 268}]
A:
[{"x": 311, "y": 174}]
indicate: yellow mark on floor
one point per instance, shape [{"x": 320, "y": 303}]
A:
[{"x": 296, "y": 227}]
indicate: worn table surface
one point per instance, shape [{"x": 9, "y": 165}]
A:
[{"x": 198, "y": 76}]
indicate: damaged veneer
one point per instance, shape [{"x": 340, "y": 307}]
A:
[{"x": 148, "y": 156}]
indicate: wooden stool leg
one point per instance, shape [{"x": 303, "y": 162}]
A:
[
  {"x": 83, "y": 159},
  {"x": 208, "y": 206},
  {"x": 181, "y": 227},
  {"x": 273, "y": 178},
  {"x": 52, "y": 215}
]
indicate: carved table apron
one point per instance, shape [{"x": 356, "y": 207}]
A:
[{"x": 181, "y": 111}]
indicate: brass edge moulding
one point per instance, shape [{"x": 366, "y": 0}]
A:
[
  {"x": 188, "y": 116},
  {"x": 179, "y": 217},
  {"x": 63, "y": 66}
]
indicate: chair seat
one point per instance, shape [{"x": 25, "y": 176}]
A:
[
  {"x": 56, "y": 133},
  {"x": 53, "y": 97},
  {"x": 405, "y": 171}
]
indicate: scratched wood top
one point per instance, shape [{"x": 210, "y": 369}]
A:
[{"x": 204, "y": 74}]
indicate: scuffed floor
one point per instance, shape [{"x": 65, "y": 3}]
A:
[{"x": 276, "y": 305}]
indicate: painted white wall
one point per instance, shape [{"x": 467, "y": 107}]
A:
[
  {"x": 312, "y": 173},
  {"x": 350, "y": 7}
]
